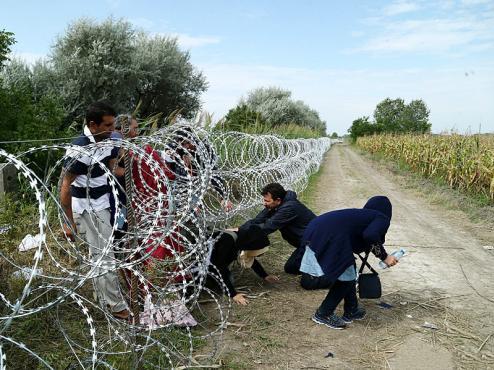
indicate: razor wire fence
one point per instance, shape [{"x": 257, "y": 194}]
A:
[{"x": 186, "y": 183}]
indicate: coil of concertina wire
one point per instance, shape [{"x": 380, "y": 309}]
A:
[{"x": 183, "y": 178}]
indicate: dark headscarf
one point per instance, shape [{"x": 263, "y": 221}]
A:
[{"x": 251, "y": 237}]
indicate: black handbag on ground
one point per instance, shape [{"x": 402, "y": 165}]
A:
[{"x": 369, "y": 284}]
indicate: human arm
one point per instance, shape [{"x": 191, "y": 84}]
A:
[
  {"x": 238, "y": 298},
  {"x": 261, "y": 217},
  {"x": 66, "y": 203},
  {"x": 259, "y": 270},
  {"x": 373, "y": 235},
  {"x": 282, "y": 217},
  {"x": 115, "y": 168}
]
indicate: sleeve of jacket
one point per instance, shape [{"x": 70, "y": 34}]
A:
[
  {"x": 373, "y": 235},
  {"x": 261, "y": 217},
  {"x": 281, "y": 217},
  {"x": 259, "y": 269}
]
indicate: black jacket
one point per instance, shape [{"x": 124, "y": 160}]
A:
[
  {"x": 335, "y": 236},
  {"x": 225, "y": 251},
  {"x": 291, "y": 218}
]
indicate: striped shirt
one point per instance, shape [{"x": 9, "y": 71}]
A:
[{"x": 90, "y": 190}]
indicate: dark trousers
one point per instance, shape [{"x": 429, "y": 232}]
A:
[
  {"x": 310, "y": 282},
  {"x": 292, "y": 265},
  {"x": 341, "y": 290}
]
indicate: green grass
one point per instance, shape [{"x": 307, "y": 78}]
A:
[{"x": 40, "y": 332}]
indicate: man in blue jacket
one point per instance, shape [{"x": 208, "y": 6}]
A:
[
  {"x": 330, "y": 242},
  {"x": 284, "y": 212}
]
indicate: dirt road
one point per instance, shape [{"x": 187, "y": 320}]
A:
[{"x": 445, "y": 280}]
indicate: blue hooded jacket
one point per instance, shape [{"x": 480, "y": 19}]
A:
[{"x": 335, "y": 236}]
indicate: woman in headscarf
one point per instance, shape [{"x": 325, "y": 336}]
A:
[{"x": 331, "y": 241}]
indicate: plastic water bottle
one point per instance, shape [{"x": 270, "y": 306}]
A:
[{"x": 397, "y": 254}]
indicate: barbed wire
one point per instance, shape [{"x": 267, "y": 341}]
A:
[{"x": 188, "y": 182}]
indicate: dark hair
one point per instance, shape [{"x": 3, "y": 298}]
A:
[
  {"x": 276, "y": 190},
  {"x": 97, "y": 110}
]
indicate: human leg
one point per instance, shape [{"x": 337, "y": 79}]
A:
[
  {"x": 310, "y": 282},
  {"x": 350, "y": 302},
  {"x": 96, "y": 231},
  {"x": 292, "y": 265},
  {"x": 351, "y": 309},
  {"x": 336, "y": 294},
  {"x": 325, "y": 313}
]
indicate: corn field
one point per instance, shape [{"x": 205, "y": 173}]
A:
[{"x": 465, "y": 162}]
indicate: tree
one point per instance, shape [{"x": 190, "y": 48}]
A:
[
  {"x": 166, "y": 79},
  {"x": 273, "y": 104},
  {"x": 241, "y": 117},
  {"x": 93, "y": 61},
  {"x": 276, "y": 107},
  {"x": 394, "y": 116},
  {"x": 6, "y": 41},
  {"x": 334, "y": 135},
  {"x": 362, "y": 127},
  {"x": 113, "y": 60},
  {"x": 387, "y": 114},
  {"x": 23, "y": 116},
  {"x": 415, "y": 117}
]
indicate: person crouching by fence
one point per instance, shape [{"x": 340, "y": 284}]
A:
[
  {"x": 331, "y": 241},
  {"x": 284, "y": 212},
  {"x": 246, "y": 244}
]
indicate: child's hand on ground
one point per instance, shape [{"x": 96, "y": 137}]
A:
[
  {"x": 240, "y": 299},
  {"x": 273, "y": 279}
]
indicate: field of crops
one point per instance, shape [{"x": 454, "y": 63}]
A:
[{"x": 465, "y": 162}]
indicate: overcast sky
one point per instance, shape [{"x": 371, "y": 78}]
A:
[{"x": 341, "y": 58}]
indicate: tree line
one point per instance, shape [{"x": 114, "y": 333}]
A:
[
  {"x": 393, "y": 116},
  {"x": 275, "y": 108},
  {"x": 138, "y": 72}
]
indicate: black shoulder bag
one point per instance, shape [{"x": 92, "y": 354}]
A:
[{"x": 369, "y": 285}]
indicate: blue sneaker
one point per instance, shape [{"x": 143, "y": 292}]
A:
[
  {"x": 358, "y": 314},
  {"x": 332, "y": 321}
]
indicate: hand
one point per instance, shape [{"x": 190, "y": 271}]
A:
[
  {"x": 69, "y": 231},
  {"x": 390, "y": 260},
  {"x": 240, "y": 299},
  {"x": 273, "y": 279},
  {"x": 227, "y": 205}
]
